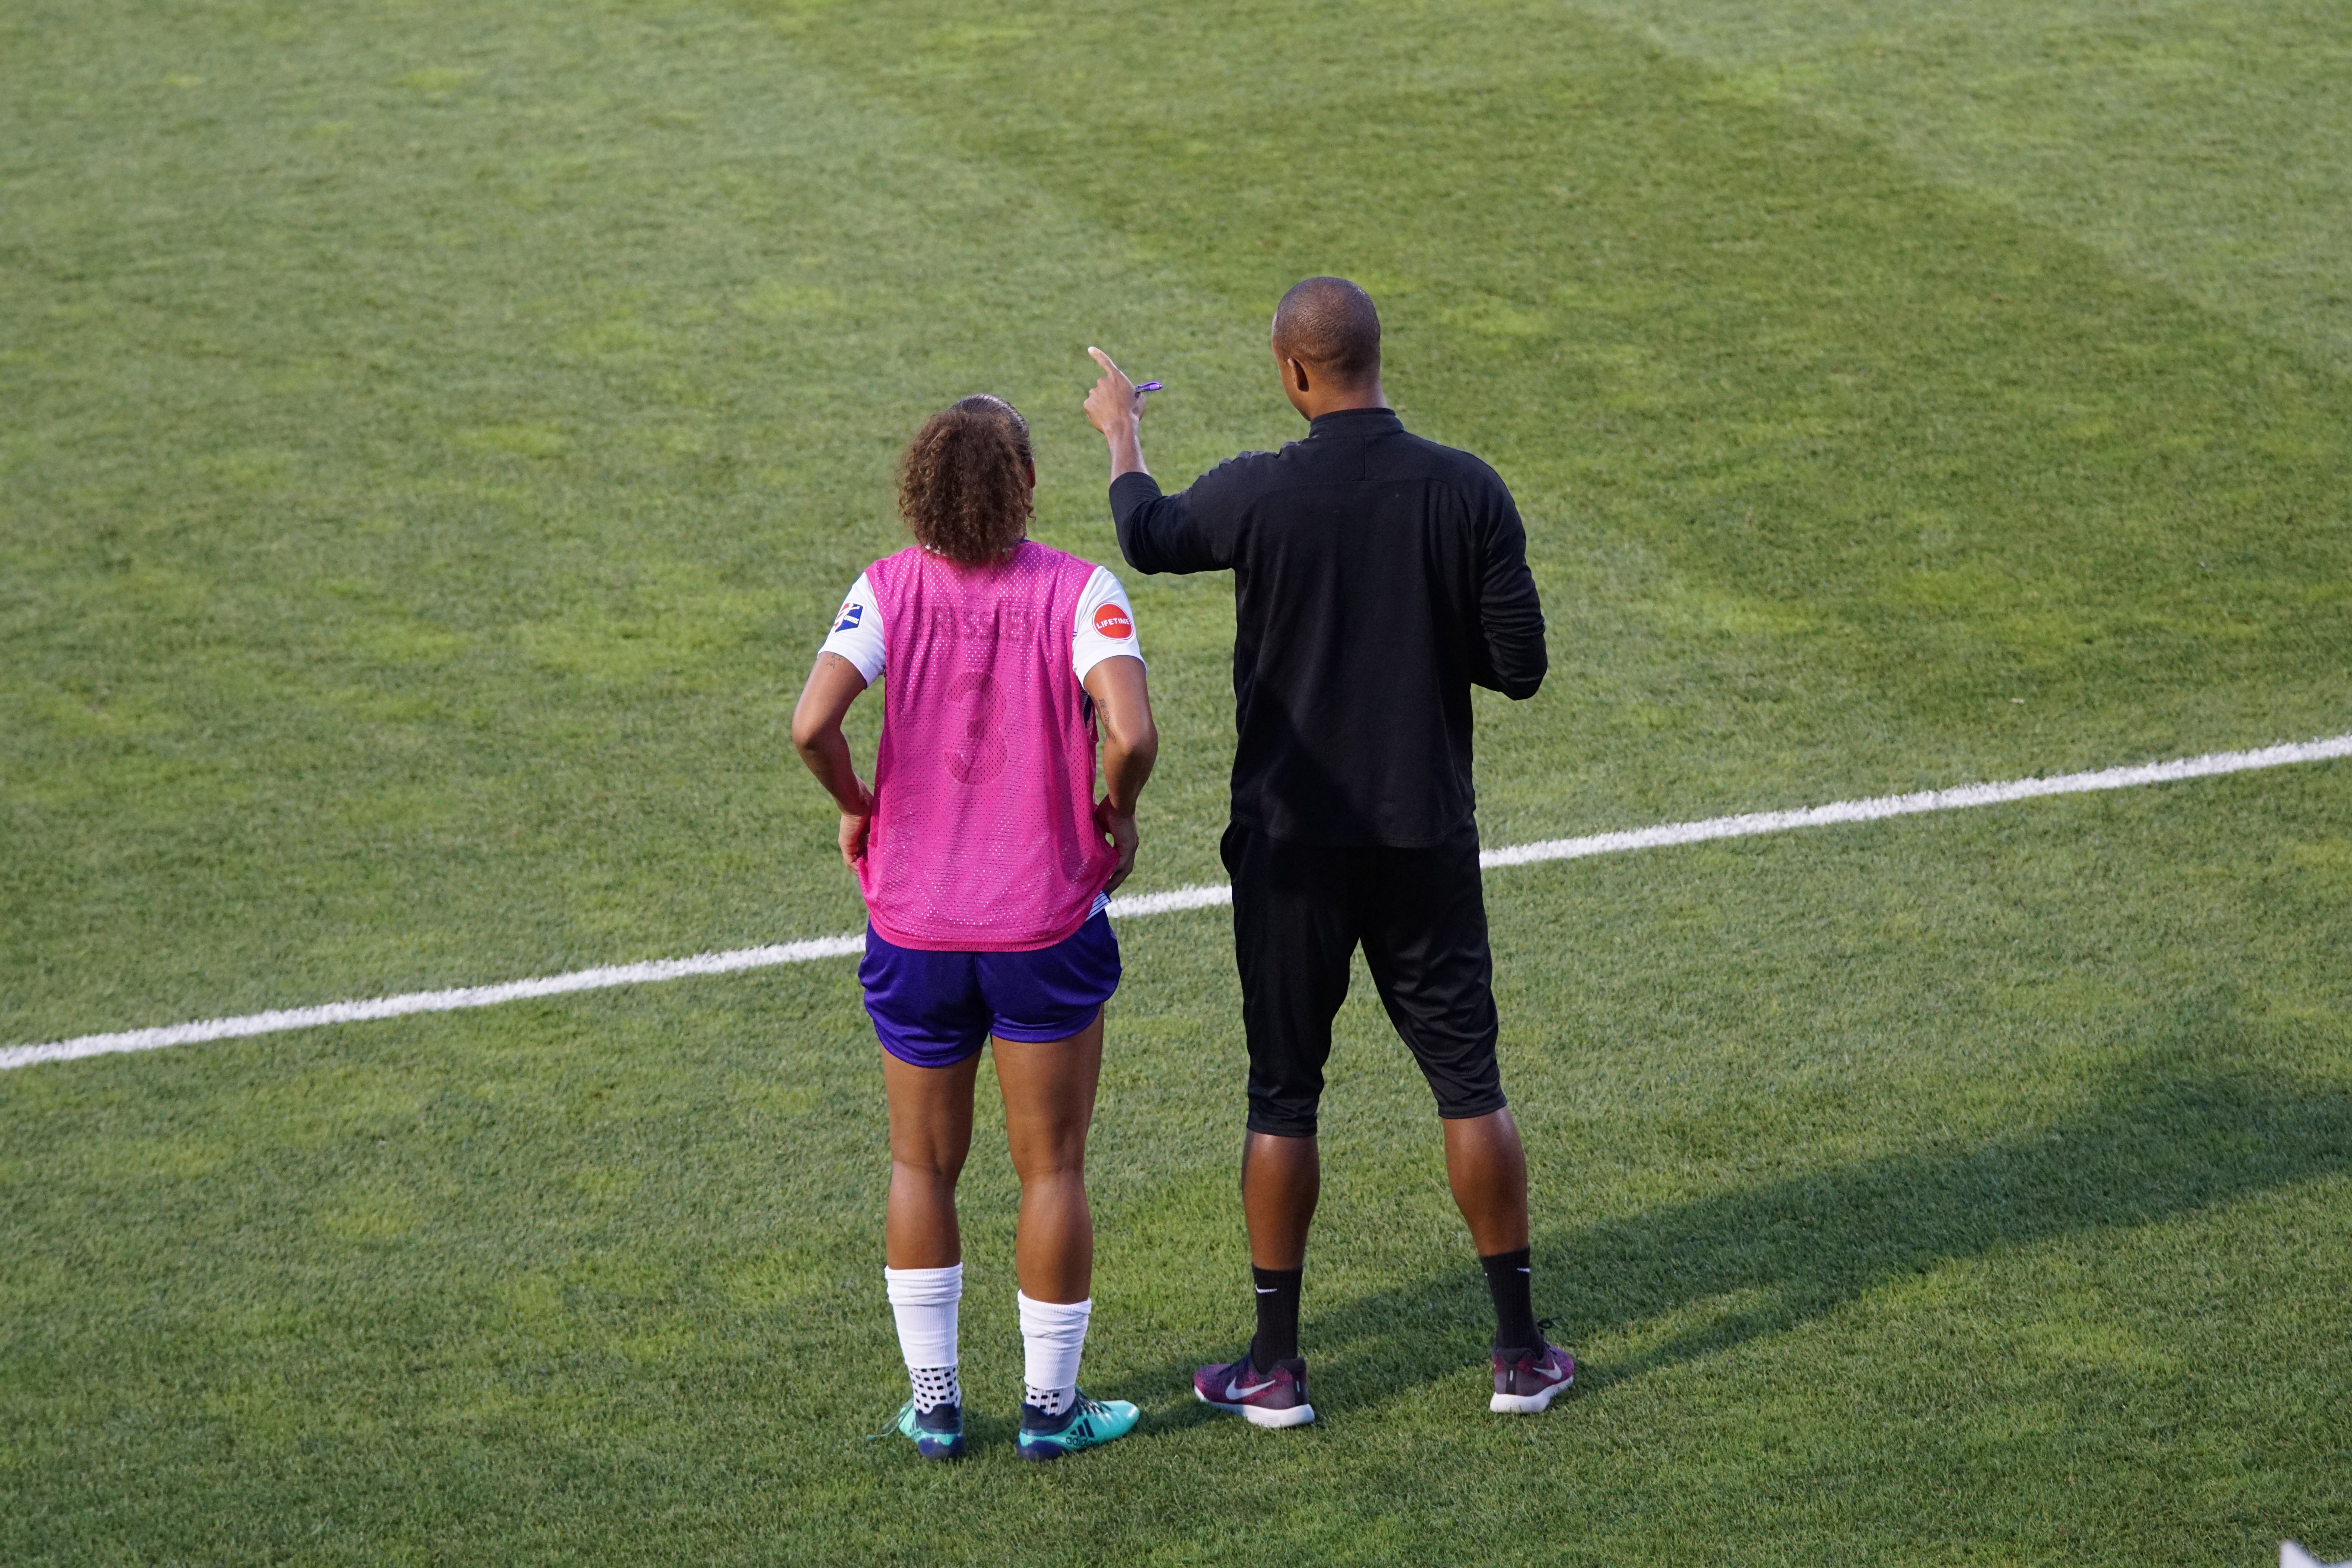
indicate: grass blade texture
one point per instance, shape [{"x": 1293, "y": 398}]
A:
[{"x": 435, "y": 435}]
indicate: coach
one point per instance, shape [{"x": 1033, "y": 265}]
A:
[{"x": 1377, "y": 577}]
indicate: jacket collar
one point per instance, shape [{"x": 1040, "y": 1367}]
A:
[{"x": 1355, "y": 422}]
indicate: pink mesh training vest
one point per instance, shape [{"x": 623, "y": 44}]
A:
[{"x": 984, "y": 835}]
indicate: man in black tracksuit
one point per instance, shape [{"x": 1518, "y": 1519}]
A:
[{"x": 1377, "y": 577}]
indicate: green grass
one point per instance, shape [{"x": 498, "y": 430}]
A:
[{"x": 434, "y": 437}]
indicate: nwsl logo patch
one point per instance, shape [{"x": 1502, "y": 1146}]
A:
[
  {"x": 850, "y": 616},
  {"x": 1110, "y": 621}
]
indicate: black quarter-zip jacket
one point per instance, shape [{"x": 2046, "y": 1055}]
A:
[{"x": 1377, "y": 577}]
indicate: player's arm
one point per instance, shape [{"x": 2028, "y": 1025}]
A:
[
  {"x": 831, "y": 687},
  {"x": 1130, "y": 745}
]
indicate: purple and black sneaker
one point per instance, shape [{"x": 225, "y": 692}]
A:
[
  {"x": 1276, "y": 1397},
  {"x": 1526, "y": 1382}
]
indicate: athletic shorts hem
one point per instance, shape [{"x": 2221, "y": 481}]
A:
[
  {"x": 934, "y": 1062},
  {"x": 1046, "y": 1033}
]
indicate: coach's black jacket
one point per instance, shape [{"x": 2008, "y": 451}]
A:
[{"x": 1376, "y": 576}]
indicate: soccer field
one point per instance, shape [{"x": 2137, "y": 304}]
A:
[{"x": 433, "y": 436}]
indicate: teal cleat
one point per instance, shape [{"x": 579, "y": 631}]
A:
[
  {"x": 1086, "y": 1423},
  {"x": 937, "y": 1433}
]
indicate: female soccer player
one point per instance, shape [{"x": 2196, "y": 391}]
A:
[{"x": 987, "y": 863}]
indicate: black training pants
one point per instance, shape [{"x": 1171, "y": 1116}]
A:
[{"x": 1299, "y": 911}]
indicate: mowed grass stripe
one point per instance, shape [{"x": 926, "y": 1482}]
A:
[
  {"x": 446, "y": 426},
  {"x": 737, "y": 961}
]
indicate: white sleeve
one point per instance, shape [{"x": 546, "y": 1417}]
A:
[
  {"x": 1105, "y": 624},
  {"x": 857, "y": 633}
]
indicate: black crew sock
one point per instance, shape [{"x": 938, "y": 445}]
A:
[
  {"x": 1515, "y": 1306},
  {"x": 1277, "y": 1316}
]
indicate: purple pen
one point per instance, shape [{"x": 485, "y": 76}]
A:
[{"x": 1149, "y": 386}]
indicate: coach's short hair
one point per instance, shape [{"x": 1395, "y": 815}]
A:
[
  {"x": 964, "y": 486},
  {"x": 1329, "y": 324}
]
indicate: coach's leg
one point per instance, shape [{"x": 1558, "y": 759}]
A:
[
  {"x": 1425, "y": 942},
  {"x": 1487, "y": 1169},
  {"x": 1293, "y": 938},
  {"x": 1282, "y": 1178},
  {"x": 1049, "y": 1103}
]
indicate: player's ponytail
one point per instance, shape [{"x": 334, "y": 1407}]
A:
[{"x": 965, "y": 488}]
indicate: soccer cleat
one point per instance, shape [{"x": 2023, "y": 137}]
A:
[
  {"x": 1086, "y": 1423},
  {"x": 1527, "y": 1383},
  {"x": 937, "y": 1433},
  {"x": 1276, "y": 1397}
]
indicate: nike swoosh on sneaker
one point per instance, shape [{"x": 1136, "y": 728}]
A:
[{"x": 1233, "y": 1390}]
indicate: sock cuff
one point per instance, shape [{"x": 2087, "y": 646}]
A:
[
  {"x": 1050, "y": 1317},
  {"x": 924, "y": 1287},
  {"x": 1517, "y": 1258}
]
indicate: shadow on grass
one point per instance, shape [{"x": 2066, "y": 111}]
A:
[{"x": 1777, "y": 1255}]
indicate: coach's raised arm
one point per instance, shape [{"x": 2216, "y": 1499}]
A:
[{"x": 1377, "y": 577}]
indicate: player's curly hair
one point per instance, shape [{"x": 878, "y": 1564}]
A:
[{"x": 964, "y": 487}]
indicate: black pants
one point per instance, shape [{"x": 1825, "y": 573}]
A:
[{"x": 1299, "y": 911}]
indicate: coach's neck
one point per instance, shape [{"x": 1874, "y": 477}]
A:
[{"x": 1312, "y": 392}]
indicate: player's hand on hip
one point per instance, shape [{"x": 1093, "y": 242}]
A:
[
  {"x": 1119, "y": 831},
  {"x": 854, "y": 828},
  {"x": 1114, "y": 405}
]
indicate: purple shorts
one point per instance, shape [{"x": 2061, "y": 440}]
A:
[{"x": 934, "y": 1009}]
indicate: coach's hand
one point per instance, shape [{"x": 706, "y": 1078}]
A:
[
  {"x": 1118, "y": 830},
  {"x": 1114, "y": 405},
  {"x": 1116, "y": 408}
]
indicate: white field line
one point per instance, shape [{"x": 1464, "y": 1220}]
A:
[{"x": 1140, "y": 904}]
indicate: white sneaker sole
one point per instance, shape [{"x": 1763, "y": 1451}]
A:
[
  {"x": 1528, "y": 1404},
  {"x": 1296, "y": 1415}
]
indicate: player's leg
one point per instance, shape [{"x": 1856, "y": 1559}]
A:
[
  {"x": 927, "y": 1014},
  {"x": 931, "y": 1135},
  {"x": 1049, "y": 1098},
  {"x": 1049, "y": 1103},
  {"x": 1048, "y": 1007},
  {"x": 1425, "y": 944},
  {"x": 931, "y": 1138},
  {"x": 1294, "y": 936}
]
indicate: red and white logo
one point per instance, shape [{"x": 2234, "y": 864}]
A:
[{"x": 1110, "y": 621}]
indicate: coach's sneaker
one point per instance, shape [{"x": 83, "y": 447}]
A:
[
  {"x": 1526, "y": 1381},
  {"x": 1086, "y": 1423},
  {"x": 937, "y": 1433},
  {"x": 1276, "y": 1397}
]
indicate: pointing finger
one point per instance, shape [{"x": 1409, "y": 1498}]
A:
[{"x": 1103, "y": 360}]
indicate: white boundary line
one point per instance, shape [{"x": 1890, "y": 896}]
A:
[{"x": 1140, "y": 904}]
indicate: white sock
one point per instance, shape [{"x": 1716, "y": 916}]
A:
[
  {"x": 924, "y": 1301},
  {"x": 1052, "y": 1337}
]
